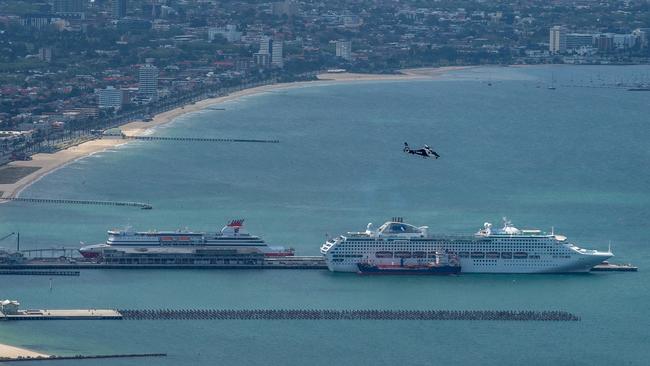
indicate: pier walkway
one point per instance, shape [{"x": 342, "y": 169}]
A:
[
  {"x": 141, "y": 205},
  {"x": 19, "y": 272},
  {"x": 82, "y": 357},
  {"x": 263, "y": 314},
  {"x": 196, "y": 139},
  {"x": 74, "y": 314}
]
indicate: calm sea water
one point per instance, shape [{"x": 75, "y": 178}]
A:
[{"x": 575, "y": 159}]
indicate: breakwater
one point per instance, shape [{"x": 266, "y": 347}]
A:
[
  {"x": 197, "y": 139},
  {"x": 141, "y": 205},
  {"x": 38, "y": 273},
  {"x": 297, "y": 314}
]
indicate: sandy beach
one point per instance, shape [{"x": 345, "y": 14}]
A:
[
  {"x": 16, "y": 352},
  {"x": 51, "y": 162}
]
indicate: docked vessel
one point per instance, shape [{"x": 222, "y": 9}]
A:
[
  {"x": 505, "y": 250},
  {"x": 231, "y": 237},
  {"x": 442, "y": 264}
]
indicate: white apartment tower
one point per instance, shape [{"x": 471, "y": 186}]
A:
[
  {"x": 276, "y": 54},
  {"x": 148, "y": 78},
  {"x": 265, "y": 45},
  {"x": 110, "y": 98},
  {"x": 557, "y": 39},
  {"x": 344, "y": 50}
]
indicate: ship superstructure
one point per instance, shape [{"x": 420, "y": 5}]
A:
[
  {"x": 505, "y": 250},
  {"x": 231, "y": 237}
]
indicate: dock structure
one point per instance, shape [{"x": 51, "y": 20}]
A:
[
  {"x": 19, "y": 272},
  {"x": 223, "y": 262},
  {"x": 81, "y": 357},
  {"x": 299, "y": 314},
  {"x": 144, "y": 206},
  {"x": 75, "y": 314},
  {"x": 197, "y": 139}
]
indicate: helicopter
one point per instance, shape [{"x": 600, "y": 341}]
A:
[{"x": 425, "y": 152}]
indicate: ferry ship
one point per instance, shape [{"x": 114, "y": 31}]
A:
[
  {"x": 505, "y": 250},
  {"x": 231, "y": 237}
]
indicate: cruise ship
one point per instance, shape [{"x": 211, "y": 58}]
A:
[
  {"x": 231, "y": 237},
  {"x": 505, "y": 250}
]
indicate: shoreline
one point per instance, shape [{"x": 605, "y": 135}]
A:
[
  {"x": 49, "y": 163},
  {"x": 7, "y": 351}
]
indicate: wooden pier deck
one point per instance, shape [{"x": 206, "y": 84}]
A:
[
  {"x": 12, "y": 272},
  {"x": 141, "y": 205},
  {"x": 74, "y": 314}
]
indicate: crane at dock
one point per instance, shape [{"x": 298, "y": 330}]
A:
[{"x": 17, "y": 239}]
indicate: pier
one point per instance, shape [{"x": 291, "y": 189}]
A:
[
  {"x": 144, "y": 206},
  {"x": 83, "y": 357},
  {"x": 196, "y": 139},
  {"x": 37, "y": 273},
  {"x": 75, "y": 314},
  {"x": 297, "y": 314},
  {"x": 34, "y": 262}
]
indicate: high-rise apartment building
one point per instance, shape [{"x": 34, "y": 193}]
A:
[
  {"x": 148, "y": 81},
  {"x": 276, "y": 54},
  {"x": 557, "y": 39},
  {"x": 110, "y": 98},
  {"x": 68, "y": 7},
  {"x": 265, "y": 45},
  {"x": 119, "y": 9},
  {"x": 344, "y": 50}
]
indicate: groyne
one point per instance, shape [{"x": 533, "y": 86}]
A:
[{"x": 297, "y": 314}]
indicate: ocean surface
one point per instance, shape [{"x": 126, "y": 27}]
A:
[{"x": 575, "y": 159}]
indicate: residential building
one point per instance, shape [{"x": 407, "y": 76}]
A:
[
  {"x": 119, "y": 9},
  {"x": 265, "y": 45},
  {"x": 262, "y": 59},
  {"x": 576, "y": 41},
  {"x": 276, "y": 54},
  {"x": 68, "y": 7},
  {"x": 110, "y": 98},
  {"x": 557, "y": 39},
  {"x": 228, "y": 32},
  {"x": 605, "y": 42},
  {"x": 344, "y": 50},
  {"x": 148, "y": 81}
]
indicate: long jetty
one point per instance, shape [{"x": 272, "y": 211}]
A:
[
  {"x": 141, "y": 205},
  {"x": 81, "y": 357},
  {"x": 38, "y": 273},
  {"x": 266, "y": 314},
  {"x": 197, "y": 139}
]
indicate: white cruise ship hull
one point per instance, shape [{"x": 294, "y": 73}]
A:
[{"x": 508, "y": 250}]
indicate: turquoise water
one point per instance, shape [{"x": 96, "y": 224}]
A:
[{"x": 575, "y": 159}]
